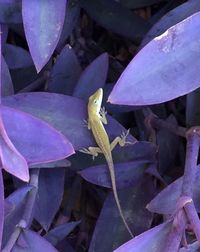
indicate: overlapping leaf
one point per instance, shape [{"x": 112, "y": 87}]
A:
[
  {"x": 42, "y": 36},
  {"x": 22, "y": 129},
  {"x": 50, "y": 191},
  {"x": 17, "y": 201},
  {"x": 1, "y": 206},
  {"x": 6, "y": 85},
  {"x": 16, "y": 57},
  {"x": 164, "y": 69},
  {"x": 109, "y": 222},
  {"x": 92, "y": 78},
  {"x": 10, "y": 11},
  {"x": 64, "y": 113},
  {"x": 152, "y": 240},
  {"x": 166, "y": 201},
  {"x": 171, "y": 18},
  {"x": 65, "y": 73},
  {"x": 127, "y": 174},
  {"x": 60, "y": 232},
  {"x": 33, "y": 242}
]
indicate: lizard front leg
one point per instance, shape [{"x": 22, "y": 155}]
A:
[
  {"x": 86, "y": 123},
  {"x": 94, "y": 151},
  {"x": 103, "y": 114}
]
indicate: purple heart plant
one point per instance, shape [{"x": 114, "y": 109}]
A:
[{"x": 145, "y": 55}]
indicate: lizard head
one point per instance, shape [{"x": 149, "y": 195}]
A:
[{"x": 95, "y": 100}]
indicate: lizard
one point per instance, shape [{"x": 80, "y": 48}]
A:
[{"x": 96, "y": 119}]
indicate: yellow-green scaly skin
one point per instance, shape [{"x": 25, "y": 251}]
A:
[{"x": 102, "y": 140}]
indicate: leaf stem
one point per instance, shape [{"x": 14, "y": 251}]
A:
[
  {"x": 158, "y": 123},
  {"x": 27, "y": 217},
  {"x": 185, "y": 205}
]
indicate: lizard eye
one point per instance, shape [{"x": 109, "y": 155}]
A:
[{"x": 95, "y": 101}]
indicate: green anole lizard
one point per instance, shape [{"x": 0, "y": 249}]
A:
[{"x": 96, "y": 119}]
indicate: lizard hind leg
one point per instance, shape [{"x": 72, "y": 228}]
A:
[
  {"x": 94, "y": 151},
  {"x": 121, "y": 140}
]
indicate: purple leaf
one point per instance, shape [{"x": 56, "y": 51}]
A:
[
  {"x": 10, "y": 11},
  {"x": 16, "y": 198},
  {"x": 57, "y": 113},
  {"x": 11, "y": 159},
  {"x": 165, "y": 202},
  {"x": 114, "y": 109},
  {"x": 92, "y": 78},
  {"x": 139, "y": 151},
  {"x": 133, "y": 201},
  {"x": 60, "y": 232},
  {"x": 50, "y": 191},
  {"x": 43, "y": 22},
  {"x": 127, "y": 174},
  {"x": 32, "y": 242},
  {"x": 7, "y": 207},
  {"x": 166, "y": 205},
  {"x": 16, "y": 57},
  {"x": 152, "y": 170},
  {"x": 193, "y": 247},
  {"x": 49, "y": 145},
  {"x": 1, "y": 206},
  {"x": 65, "y": 72},
  {"x": 168, "y": 61},
  {"x": 171, "y": 18},
  {"x": 6, "y": 85},
  {"x": 12, "y": 218},
  {"x": 152, "y": 240}
]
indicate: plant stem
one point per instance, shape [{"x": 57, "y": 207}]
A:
[
  {"x": 193, "y": 142},
  {"x": 2, "y": 203},
  {"x": 29, "y": 208},
  {"x": 192, "y": 151},
  {"x": 27, "y": 217},
  {"x": 12, "y": 240},
  {"x": 187, "y": 208},
  {"x": 177, "y": 230},
  {"x": 158, "y": 123}
]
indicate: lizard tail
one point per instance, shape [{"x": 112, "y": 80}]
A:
[{"x": 113, "y": 182}]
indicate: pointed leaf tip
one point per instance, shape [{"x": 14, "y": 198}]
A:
[
  {"x": 42, "y": 36},
  {"x": 12, "y": 161},
  {"x": 164, "y": 69}
]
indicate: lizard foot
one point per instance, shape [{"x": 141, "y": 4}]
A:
[
  {"x": 85, "y": 123},
  {"x": 90, "y": 151},
  {"x": 123, "y": 140},
  {"x": 103, "y": 114}
]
